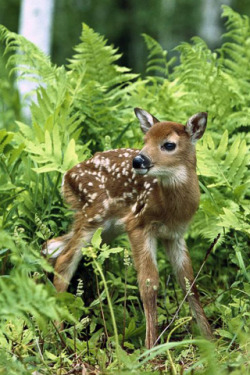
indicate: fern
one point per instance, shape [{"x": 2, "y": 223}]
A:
[
  {"x": 235, "y": 55},
  {"x": 225, "y": 169},
  {"x": 91, "y": 90},
  {"x": 157, "y": 58},
  {"x": 227, "y": 164},
  {"x": 29, "y": 61},
  {"x": 98, "y": 60},
  {"x": 49, "y": 151},
  {"x": 236, "y": 51},
  {"x": 32, "y": 298},
  {"x": 103, "y": 85}
]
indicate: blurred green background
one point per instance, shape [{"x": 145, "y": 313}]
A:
[{"x": 123, "y": 21}]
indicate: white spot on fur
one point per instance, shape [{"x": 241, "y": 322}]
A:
[
  {"x": 134, "y": 207},
  {"x": 98, "y": 217},
  {"x": 106, "y": 204},
  {"x": 93, "y": 196},
  {"x": 106, "y": 163}
]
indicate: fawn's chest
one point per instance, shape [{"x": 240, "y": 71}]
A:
[{"x": 168, "y": 232}]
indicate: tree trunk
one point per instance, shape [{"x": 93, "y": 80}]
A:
[
  {"x": 210, "y": 29},
  {"x": 35, "y": 25}
]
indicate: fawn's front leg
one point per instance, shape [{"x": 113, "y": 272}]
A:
[
  {"x": 144, "y": 250},
  {"x": 181, "y": 263}
]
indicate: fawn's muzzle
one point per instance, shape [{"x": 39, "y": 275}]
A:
[{"x": 141, "y": 164}]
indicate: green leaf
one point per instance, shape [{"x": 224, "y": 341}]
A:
[
  {"x": 224, "y": 333},
  {"x": 97, "y": 238},
  {"x": 70, "y": 156},
  {"x": 105, "y": 253},
  {"x": 222, "y": 148}
]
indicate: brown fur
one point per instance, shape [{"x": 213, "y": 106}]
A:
[{"x": 106, "y": 192}]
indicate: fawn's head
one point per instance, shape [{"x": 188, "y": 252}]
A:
[{"x": 169, "y": 147}]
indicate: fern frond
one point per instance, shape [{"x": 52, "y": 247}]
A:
[
  {"x": 235, "y": 59},
  {"x": 20, "y": 295},
  {"x": 98, "y": 60},
  {"x": 236, "y": 51},
  {"x": 225, "y": 162},
  {"x": 202, "y": 77},
  {"x": 49, "y": 151},
  {"x": 223, "y": 170},
  {"x": 157, "y": 58},
  {"x": 26, "y": 58}
]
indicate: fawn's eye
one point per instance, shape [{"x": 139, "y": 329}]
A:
[{"x": 168, "y": 146}]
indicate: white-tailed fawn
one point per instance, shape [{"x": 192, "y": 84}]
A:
[{"x": 151, "y": 194}]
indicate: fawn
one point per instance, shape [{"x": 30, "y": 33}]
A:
[{"x": 150, "y": 194}]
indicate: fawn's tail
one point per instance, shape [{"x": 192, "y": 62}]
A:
[{"x": 54, "y": 247}]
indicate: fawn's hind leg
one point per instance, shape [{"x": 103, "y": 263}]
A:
[
  {"x": 182, "y": 266},
  {"x": 67, "y": 262},
  {"x": 66, "y": 251}
]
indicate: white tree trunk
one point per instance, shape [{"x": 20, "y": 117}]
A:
[
  {"x": 35, "y": 24},
  {"x": 210, "y": 29}
]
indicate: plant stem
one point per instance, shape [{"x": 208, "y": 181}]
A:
[
  {"x": 185, "y": 320},
  {"x": 124, "y": 307},
  {"x": 110, "y": 308},
  {"x": 102, "y": 312}
]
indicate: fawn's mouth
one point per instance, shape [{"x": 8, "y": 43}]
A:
[{"x": 142, "y": 171}]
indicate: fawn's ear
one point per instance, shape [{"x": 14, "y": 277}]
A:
[
  {"x": 145, "y": 118},
  {"x": 196, "y": 126}
]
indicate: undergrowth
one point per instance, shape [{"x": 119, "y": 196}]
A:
[{"x": 88, "y": 106}]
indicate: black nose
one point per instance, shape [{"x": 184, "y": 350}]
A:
[{"x": 141, "y": 161}]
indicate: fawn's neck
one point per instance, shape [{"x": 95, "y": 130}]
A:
[{"x": 178, "y": 197}]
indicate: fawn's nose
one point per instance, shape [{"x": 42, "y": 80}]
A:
[{"x": 141, "y": 162}]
